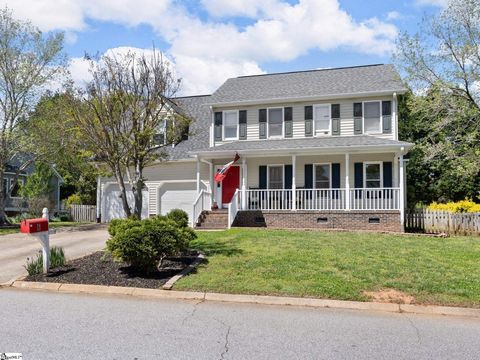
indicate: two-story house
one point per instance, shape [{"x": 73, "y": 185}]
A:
[{"x": 318, "y": 149}]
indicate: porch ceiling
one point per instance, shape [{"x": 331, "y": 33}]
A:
[{"x": 333, "y": 145}]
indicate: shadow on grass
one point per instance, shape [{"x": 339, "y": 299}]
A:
[{"x": 218, "y": 248}]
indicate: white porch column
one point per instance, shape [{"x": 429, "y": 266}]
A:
[
  {"x": 211, "y": 181},
  {"x": 402, "y": 191},
  {"x": 294, "y": 184},
  {"x": 395, "y": 170},
  {"x": 244, "y": 184},
  {"x": 198, "y": 175},
  {"x": 347, "y": 181}
]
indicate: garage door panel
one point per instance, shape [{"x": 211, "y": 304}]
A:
[
  {"x": 177, "y": 196},
  {"x": 112, "y": 203}
]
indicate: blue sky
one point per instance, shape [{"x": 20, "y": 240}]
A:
[{"x": 210, "y": 40}]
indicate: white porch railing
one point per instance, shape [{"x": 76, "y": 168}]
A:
[
  {"x": 233, "y": 208},
  {"x": 375, "y": 199},
  {"x": 269, "y": 199},
  {"x": 322, "y": 199},
  {"x": 202, "y": 202}
]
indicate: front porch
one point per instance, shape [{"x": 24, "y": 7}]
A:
[{"x": 331, "y": 190}]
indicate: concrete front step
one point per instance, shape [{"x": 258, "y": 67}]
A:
[{"x": 215, "y": 219}]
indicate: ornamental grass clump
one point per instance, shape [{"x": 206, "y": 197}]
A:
[
  {"x": 143, "y": 244},
  {"x": 461, "y": 206},
  {"x": 34, "y": 266}
]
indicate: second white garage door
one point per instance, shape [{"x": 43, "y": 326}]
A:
[{"x": 177, "y": 196}]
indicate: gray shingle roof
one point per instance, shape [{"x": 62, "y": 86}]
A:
[
  {"x": 321, "y": 83},
  {"x": 198, "y": 139},
  {"x": 308, "y": 143}
]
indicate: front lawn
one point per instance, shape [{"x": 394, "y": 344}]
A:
[{"x": 338, "y": 265}]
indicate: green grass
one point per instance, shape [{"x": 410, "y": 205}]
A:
[
  {"x": 52, "y": 225},
  {"x": 338, "y": 265}
]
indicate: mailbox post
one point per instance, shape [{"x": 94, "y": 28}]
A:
[{"x": 39, "y": 229}]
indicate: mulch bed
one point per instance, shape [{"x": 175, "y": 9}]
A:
[{"x": 100, "y": 269}]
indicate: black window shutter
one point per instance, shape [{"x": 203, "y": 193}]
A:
[
  {"x": 309, "y": 120},
  {"x": 262, "y": 174},
  {"x": 308, "y": 176},
  {"x": 387, "y": 117},
  {"x": 242, "y": 124},
  {"x": 357, "y": 110},
  {"x": 288, "y": 122},
  {"x": 358, "y": 167},
  {"x": 335, "y": 119},
  {"x": 386, "y": 108},
  {"x": 335, "y": 176},
  {"x": 357, "y": 119},
  {"x": 387, "y": 174},
  {"x": 288, "y": 176},
  {"x": 262, "y": 123},
  {"x": 218, "y": 126}
]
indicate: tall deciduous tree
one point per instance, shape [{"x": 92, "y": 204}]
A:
[
  {"x": 442, "y": 64},
  {"x": 123, "y": 115},
  {"x": 28, "y": 61}
]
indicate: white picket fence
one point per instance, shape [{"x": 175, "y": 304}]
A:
[
  {"x": 83, "y": 213},
  {"x": 434, "y": 221}
]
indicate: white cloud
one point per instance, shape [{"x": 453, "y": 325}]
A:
[
  {"x": 393, "y": 15},
  {"x": 207, "y": 52},
  {"x": 439, "y": 3}
]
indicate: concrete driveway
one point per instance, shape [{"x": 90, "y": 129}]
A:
[{"x": 15, "y": 248}]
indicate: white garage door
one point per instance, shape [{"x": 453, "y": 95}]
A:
[
  {"x": 112, "y": 204},
  {"x": 177, "y": 196}
]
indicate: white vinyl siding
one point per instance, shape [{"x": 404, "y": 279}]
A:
[{"x": 298, "y": 117}]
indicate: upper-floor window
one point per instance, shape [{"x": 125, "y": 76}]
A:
[
  {"x": 321, "y": 115},
  {"x": 372, "y": 117},
  {"x": 323, "y": 176},
  {"x": 372, "y": 174},
  {"x": 275, "y": 122},
  {"x": 230, "y": 125},
  {"x": 15, "y": 193}
]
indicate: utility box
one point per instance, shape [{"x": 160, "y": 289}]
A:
[{"x": 32, "y": 226}]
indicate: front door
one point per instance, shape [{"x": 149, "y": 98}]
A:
[{"x": 230, "y": 184}]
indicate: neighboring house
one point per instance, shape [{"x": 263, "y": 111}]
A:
[
  {"x": 15, "y": 204},
  {"x": 318, "y": 149}
]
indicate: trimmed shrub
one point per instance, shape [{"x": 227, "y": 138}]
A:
[
  {"x": 144, "y": 243},
  {"x": 461, "y": 206},
  {"x": 179, "y": 216},
  {"x": 73, "y": 199}
]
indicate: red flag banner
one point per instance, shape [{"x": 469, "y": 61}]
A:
[{"x": 222, "y": 173}]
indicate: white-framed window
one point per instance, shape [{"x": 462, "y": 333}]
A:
[
  {"x": 372, "y": 117},
  {"x": 230, "y": 125},
  {"x": 372, "y": 175},
  {"x": 275, "y": 122},
  {"x": 322, "y": 119},
  {"x": 160, "y": 138},
  {"x": 275, "y": 176},
  {"x": 322, "y": 176},
  {"x": 15, "y": 190}
]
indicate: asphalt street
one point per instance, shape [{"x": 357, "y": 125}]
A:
[{"x": 44, "y": 325}]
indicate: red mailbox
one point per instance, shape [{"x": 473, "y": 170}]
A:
[{"x": 31, "y": 226}]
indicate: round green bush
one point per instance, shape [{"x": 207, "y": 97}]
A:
[
  {"x": 144, "y": 243},
  {"x": 179, "y": 216}
]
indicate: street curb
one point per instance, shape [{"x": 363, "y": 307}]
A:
[
  {"x": 169, "y": 284},
  {"x": 248, "y": 299}
]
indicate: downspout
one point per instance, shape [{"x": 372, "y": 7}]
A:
[{"x": 395, "y": 107}]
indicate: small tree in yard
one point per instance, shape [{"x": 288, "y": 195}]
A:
[
  {"x": 126, "y": 116},
  {"x": 28, "y": 61},
  {"x": 442, "y": 64}
]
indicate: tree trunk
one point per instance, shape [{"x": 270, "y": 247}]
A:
[
  {"x": 123, "y": 192},
  {"x": 3, "y": 202},
  {"x": 138, "y": 191}
]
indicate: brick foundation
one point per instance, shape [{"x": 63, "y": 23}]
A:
[{"x": 351, "y": 220}]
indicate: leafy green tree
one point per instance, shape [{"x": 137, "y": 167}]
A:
[
  {"x": 442, "y": 115},
  {"x": 39, "y": 182},
  {"x": 29, "y": 60}
]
